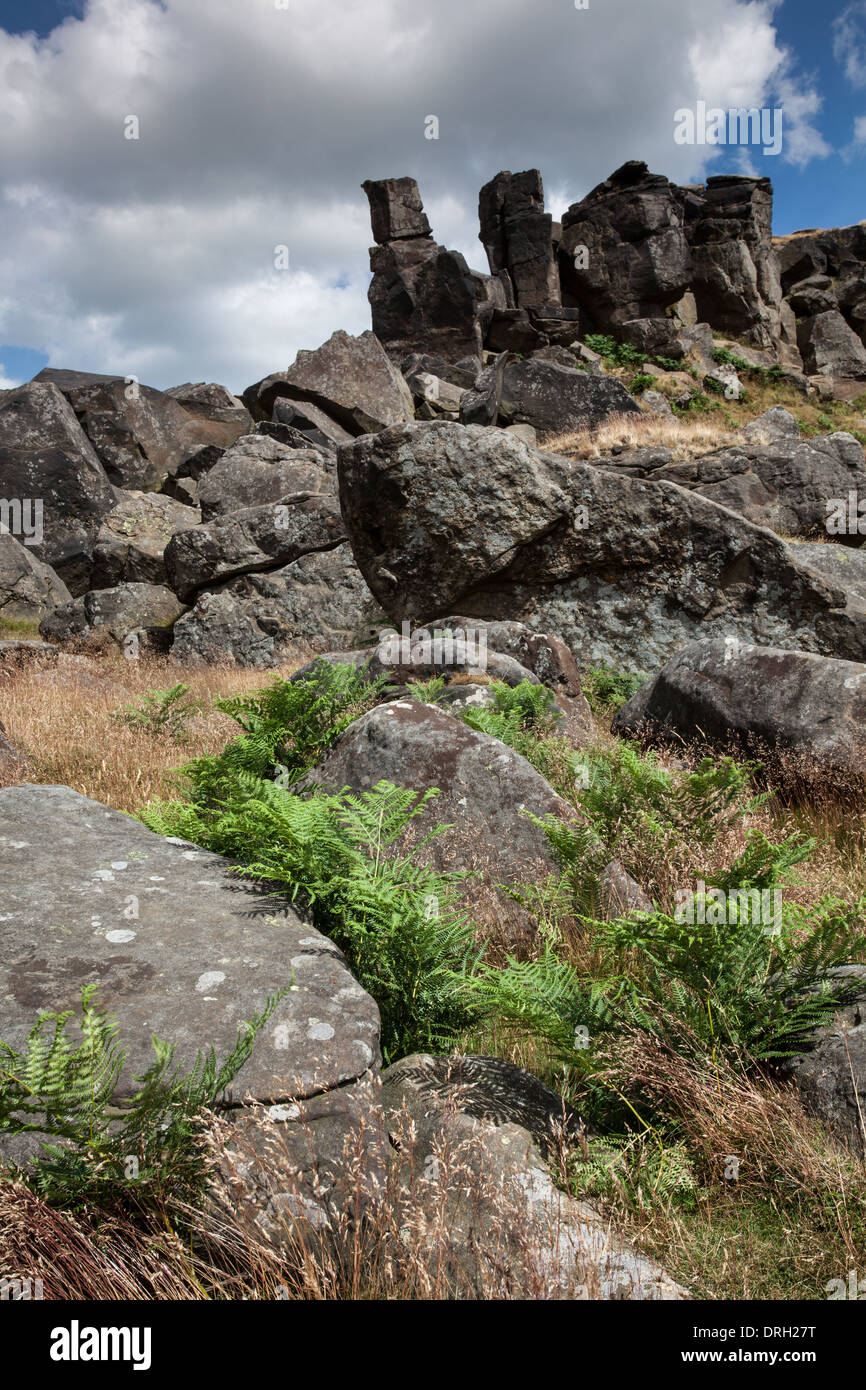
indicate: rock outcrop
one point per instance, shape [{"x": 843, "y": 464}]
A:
[{"x": 445, "y": 517}]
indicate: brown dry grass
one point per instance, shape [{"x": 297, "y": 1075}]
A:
[{"x": 59, "y": 717}]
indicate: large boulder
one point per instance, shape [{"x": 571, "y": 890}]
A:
[
  {"x": 787, "y": 701},
  {"x": 842, "y": 565},
  {"x": 47, "y": 460},
  {"x": 423, "y": 297},
  {"x": 320, "y": 602},
  {"x": 463, "y": 1149},
  {"x": 214, "y": 402},
  {"x": 785, "y": 484},
  {"x": 28, "y": 588},
  {"x": 131, "y": 541},
  {"x": 252, "y": 540},
  {"x": 735, "y": 277},
  {"x": 260, "y": 469},
  {"x": 147, "y": 611},
  {"x": 444, "y": 518},
  {"x": 830, "y": 348},
  {"x": 181, "y": 948},
  {"x": 351, "y": 379},
  {"x": 551, "y": 398},
  {"x": 624, "y": 253},
  {"x": 140, "y": 435},
  {"x": 517, "y": 235},
  {"x": 484, "y": 787}
]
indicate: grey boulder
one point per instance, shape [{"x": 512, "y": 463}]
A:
[{"x": 28, "y": 588}]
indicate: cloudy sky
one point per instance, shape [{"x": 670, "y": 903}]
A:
[{"x": 258, "y": 120}]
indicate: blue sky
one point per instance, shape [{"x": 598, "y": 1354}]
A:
[{"x": 257, "y": 127}]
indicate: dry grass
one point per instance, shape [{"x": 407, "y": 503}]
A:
[
  {"x": 59, "y": 717},
  {"x": 715, "y": 427}
]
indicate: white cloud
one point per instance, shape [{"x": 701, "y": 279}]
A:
[
  {"x": 257, "y": 126},
  {"x": 849, "y": 42}
]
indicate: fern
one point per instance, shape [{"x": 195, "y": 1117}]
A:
[
  {"x": 397, "y": 920},
  {"x": 162, "y": 712},
  {"x": 146, "y": 1143}
]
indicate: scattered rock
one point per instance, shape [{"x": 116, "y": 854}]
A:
[
  {"x": 551, "y": 398},
  {"x": 146, "y": 610},
  {"x": 131, "y": 541},
  {"x": 723, "y": 690},
  {"x": 258, "y": 470},
  {"x": 28, "y": 588},
  {"x": 48, "y": 462},
  {"x": 351, "y": 379}
]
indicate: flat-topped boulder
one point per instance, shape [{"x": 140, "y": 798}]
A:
[{"x": 180, "y": 947}]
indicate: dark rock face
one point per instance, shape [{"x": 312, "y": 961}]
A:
[
  {"x": 637, "y": 261},
  {"x": 148, "y": 610},
  {"x": 46, "y": 458},
  {"x": 131, "y": 542},
  {"x": 788, "y": 700},
  {"x": 446, "y": 518},
  {"x": 261, "y": 620},
  {"x": 822, "y": 271},
  {"x": 830, "y": 348},
  {"x": 350, "y": 379},
  {"x": 462, "y": 1143},
  {"x": 120, "y": 893},
  {"x": 423, "y": 297},
  {"x": 260, "y": 469},
  {"x": 396, "y": 210},
  {"x": 517, "y": 235},
  {"x": 141, "y": 435},
  {"x": 252, "y": 540},
  {"x": 786, "y": 485},
  {"x": 551, "y": 398},
  {"x": 28, "y": 588},
  {"x": 735, "y": 280},
  {"x": 214, "y": 402},
  {"x": 843, "y": 566}
]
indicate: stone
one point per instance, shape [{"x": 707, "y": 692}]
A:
[
  {"x": 775, "y": 423},
  {"x": 446, "y": 518},
  {"x": 141, "y": 435},
  {"x": 463, "y": 374},
  {"x": 842, "y": 565},
  {"x": 551, "y": 398},
  {"x": 831, "y": 1076},
  {"x": 655, "y": 403},
  {"x": 252, "y": 540},
  {"x": 317, "y": 429},
  {"x": 47, "y": 460},
  {"x": 784, "y": 483},
  {"x": 624, "y": 253},
  {"x": 722, "y": 690},
  {"x": 498, "y": 1226},
  {"x": 147, "y": 610},
  {"x": 259, "y": 469},
  {"x": 213, "y": 402},
  {"x": 830, "y": 348},
  {"x": 131, "y": 541},
  {"x": 28, "y": 588},
  {"x": 71, "y": 870},
  {"x": 484, "y": 789},
  {"x": 735, "y": 278},
  {"x": 351, "y": 379},
  {"x": 396, "y": 210},
  {"x": 517, "y": 236},
  {"x": 262, "y": 620}
]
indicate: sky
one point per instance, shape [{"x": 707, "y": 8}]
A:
[{"x": 257, "y": 121}]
